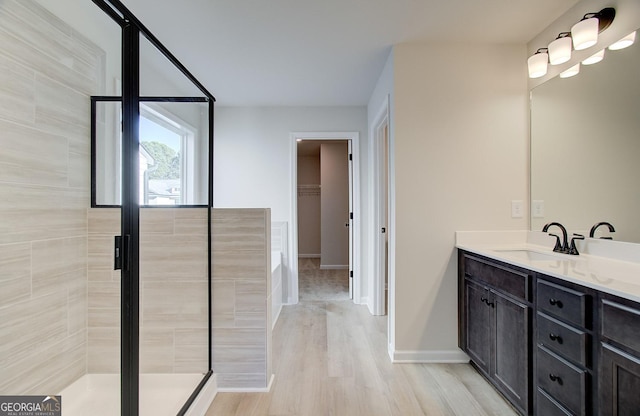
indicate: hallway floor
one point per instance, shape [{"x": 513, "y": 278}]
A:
[
  {"x": 330, "y": 358},
  {"x": 316, "y": 284}
]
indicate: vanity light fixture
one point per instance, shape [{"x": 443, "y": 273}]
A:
[
  {"x": 574, "y": 70},
  {"x": 537, "y": 63},
  {"x": 625, "y": 42},
  {"x": 583, "y": 35},
  {"x": 560, "y": 49},
  {"x": 594, "y": 59},
  {"x": 585, "y": 32}
]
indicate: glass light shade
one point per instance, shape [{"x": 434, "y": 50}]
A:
[
  {"x": 625, "y": 42},
  {"x": 594, "y": 59},
  {"x": 585, "y": 33},
  {"x": 538, "y": 65},
  {"x": 574, "y": 70},
  {"x": 560, "y": 50}
]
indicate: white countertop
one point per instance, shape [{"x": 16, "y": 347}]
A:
[{"x": 608, "y": 266}]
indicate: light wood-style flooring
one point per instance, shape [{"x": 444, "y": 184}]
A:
[{"x": 330, "y": 358}]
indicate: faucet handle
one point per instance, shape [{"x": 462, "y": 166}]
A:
[
  {"x": 573, "y": 250},
  {"x": 558, "y": 247}
]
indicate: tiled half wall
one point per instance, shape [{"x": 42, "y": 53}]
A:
[
  {"x": 173, "y": 291},
  {"x": 242, "y": 298}
]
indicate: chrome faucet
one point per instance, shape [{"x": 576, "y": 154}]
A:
[
  {"x": 560, "y": 247},
  {"x": 592, "y": 233}
]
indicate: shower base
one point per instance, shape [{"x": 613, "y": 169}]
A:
[{"x": 99, "y": 394}]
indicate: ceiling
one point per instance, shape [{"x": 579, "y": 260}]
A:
[{"x": 323, "y": 52}]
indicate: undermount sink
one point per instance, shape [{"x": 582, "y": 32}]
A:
[{"x": 529, "y": 255}]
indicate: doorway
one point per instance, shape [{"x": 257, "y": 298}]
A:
[
  {"x": 346, "y": 225},
  {"x": 323, "y": 220}
]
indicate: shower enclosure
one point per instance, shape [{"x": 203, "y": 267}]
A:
[{"x": 105, "y": 249}]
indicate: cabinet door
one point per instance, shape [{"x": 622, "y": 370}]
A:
[
  {"x": 478, "y": 319},
  {"x": 619, "y": 382},
  {"x": 511, "y": 368}
]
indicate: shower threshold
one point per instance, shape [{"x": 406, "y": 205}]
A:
[{"x": 99, "y": 394}]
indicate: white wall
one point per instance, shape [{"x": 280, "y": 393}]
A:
[
  {"x": 252, "y": 155},
  {"x": 309, "y": 206},
  {"x": 334, "y": 203},
  {"x": 460, "y": 155}
]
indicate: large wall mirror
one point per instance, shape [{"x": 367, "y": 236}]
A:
[{"x": 585, "y": 147}]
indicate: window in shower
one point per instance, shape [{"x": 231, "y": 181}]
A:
[
  {"x": 167, "y": 153},
  {"x": 172, "y": 154}
]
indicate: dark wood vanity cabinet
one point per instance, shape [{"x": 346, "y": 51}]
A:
[
  {"x": 497, "y": 326},
  {"x": 619, "y": 375},
  {"x": 549, "y": 346},
  {"x": 563, "y": 355}
]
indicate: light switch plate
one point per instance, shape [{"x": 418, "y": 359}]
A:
[
  {"x": 516, "y": 208},
  {"x": 537, "y": 208}
]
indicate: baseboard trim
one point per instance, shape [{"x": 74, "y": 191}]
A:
[
  {"x": 203, "y": 401},
  {"x": 334, "y": 267},
  {"x": 248, "y": 389},
  {"x": 426, "y": 356},
  {"x": 308, "y": 256}
]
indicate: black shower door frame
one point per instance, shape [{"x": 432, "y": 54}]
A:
[{"x": 132, "y": 29}]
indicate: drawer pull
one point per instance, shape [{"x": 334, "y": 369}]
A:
[
  {"x": 555, "y": 378},
  {"x": 554, "y": 337},
  {"x": 555, "y": 302},
  {"x": 486, "y": 301}
]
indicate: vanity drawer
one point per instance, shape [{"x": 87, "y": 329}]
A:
[
  {"x": 547, "y": 406},
  {"x": 621, "y": 324},
  {"x": 564, "y": 339},
  {"x": 513, "y": 282},
  {"x": 563, "y": 381},
  {"x": 564, "y": 303}
]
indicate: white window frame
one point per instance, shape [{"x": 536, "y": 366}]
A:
[{"x": 155, "y": 113}]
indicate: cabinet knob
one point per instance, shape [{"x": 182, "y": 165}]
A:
[
  {"x": 555, "y": 378},
  {"x": 554, "y": 337},
  {"x": 555, "y": 302}
]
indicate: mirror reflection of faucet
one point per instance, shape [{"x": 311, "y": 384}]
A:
[{"x": 595, "y": 227}]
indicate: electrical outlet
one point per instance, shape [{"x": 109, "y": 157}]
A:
[
  {"x": 537, "y": 208},
  {"x": 516, "y": 209}
]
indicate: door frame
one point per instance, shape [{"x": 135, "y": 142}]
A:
[
  {"x": 353, "y": 138},
  {"x": 381, "y": 208}
]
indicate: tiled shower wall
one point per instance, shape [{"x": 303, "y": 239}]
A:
[
  {"x": 242, "y": 298},
  {"x": 47, "y": 73},
  {"x": 174, "y": 291}
]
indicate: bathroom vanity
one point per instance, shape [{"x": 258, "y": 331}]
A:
[{"x": 555, "y": 334}]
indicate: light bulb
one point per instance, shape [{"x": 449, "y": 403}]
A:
[
  {"x": 560, "y": 50},
  {"x": 625, "y": 42},
  {"x": 594, "y": 59},
  {"x": 585, "y": 33},
  {"x": 574, "y": 70},
  {"x": 537, "y": 65}
]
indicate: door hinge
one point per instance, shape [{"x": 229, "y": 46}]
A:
[
  {"x": 351, "y": 215},
  {"x": 351, "y": 273},
  {"x": 350, "y": 156},
  {"x": 384, "y": 230}
]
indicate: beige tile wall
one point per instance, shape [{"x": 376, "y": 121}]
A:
[
  {"x": 59, "y": 297},
  {"x": 47, "y": 73},
  {"x": 242, "y": 297},
  {"x": 173, "y": 297}
]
